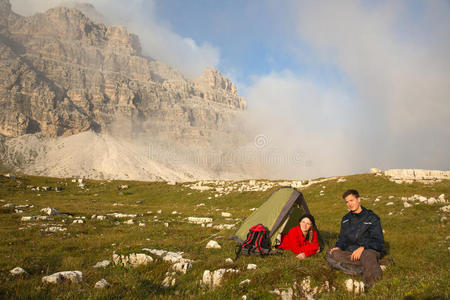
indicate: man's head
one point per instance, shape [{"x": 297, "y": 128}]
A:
[{"x": 352, "y": 200}]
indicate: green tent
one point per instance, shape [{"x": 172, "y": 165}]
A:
[{"x": 280, "y": 212}]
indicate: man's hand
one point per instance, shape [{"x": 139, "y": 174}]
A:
[
  {"x": 356, "y": 255},
  {"x": 332, "y": 249},
  {"x": 301, "y": 256}
]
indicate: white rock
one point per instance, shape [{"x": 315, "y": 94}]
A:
[
  {"x": 168, "y": 282},
  {"x": 359, "y": 287},
  {"x": 431, "y": 201},
  {"x": 441, "y": 198},
  {"x": 129, "y": 222},
  {"x": 246, "y": 281},
  {"x": 377, "y": 200},
  {"x": 253, "y": 209},
  {"x": 383, "y": 268},
  {"x": 374, "y": 171},
  {"x": 244, "y": 297},
  {"x": 175, "y": 212},
  {"x": 102, "y": 264},
  {"x": 349, "y": 285},
  {"x": 141, "y": 224},
  {"x": 207, "y": 278},
  {"x": 445, "y": 208},
  {"x": 214, "y": 279},
  {"x": 390, "y": 213},
  {"x": 18, "y": 271},
  {"x": 9, "y": 205},
  {"x": 166, "y": 224},
  {"x": 137, "y": 259},
  {"x": 224, "y": 226},
  {"x": 159, "y": 211},
  {"x": 226, "y": 214},
  {"x": 306, "y": 285},
  {"x": 287, "y": 294},
  {"x": 390, "y": 203},
  {"x": 251, "y": 267},
  {"x": 27, "y": 218},
  {"x": 423, "y": 199},
  {"x": 121, "y": 215},
  {"x": 229, "y": 261},
  {"x": 201, "y": 204},
  {"x": 50, "y": 211},
  {"x": 55, "y": 229},
  {"x": 182, "y": 267},
  {"x": 101, "y": 284},
  {"x": 73, "y": 276},
  {"x": 78, "y": 221},
  {"x": 341, "y": 180},
  {"x": 406, "y": 204},
  {"x": 213, "y": 245}
]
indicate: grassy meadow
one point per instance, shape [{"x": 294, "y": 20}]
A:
[{"x": 417, "y": 238}]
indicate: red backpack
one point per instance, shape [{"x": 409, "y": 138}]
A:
[{"x": 258, "y": 241}]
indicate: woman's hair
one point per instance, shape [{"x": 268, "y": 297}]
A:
[{"x": 309, "y": 235}]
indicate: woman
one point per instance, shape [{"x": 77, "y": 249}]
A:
[{"x": 301, "y": 239}]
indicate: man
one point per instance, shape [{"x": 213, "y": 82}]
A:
[{"x": 360, "y": 242}]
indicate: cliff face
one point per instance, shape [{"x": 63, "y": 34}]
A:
[{"x": 62, "y": 74}]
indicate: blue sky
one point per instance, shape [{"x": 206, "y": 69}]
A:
[{"x": 352, "y": 84}]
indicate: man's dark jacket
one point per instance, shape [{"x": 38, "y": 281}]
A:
[{"x": 363, "y": 229}]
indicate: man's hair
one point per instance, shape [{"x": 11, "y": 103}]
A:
[{"x": 351, "y": 192}]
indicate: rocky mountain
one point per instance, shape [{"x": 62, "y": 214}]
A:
[
  {"x": 62, "y": 74},
  {"x": 78, "y": 98}
]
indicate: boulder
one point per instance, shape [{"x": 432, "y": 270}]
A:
[
  {"x": 168, "y": 282},
  {"x": 182, "y": 267},
  {"x": 214, "y": 279},
  {"x": 102, "y": 264},
  {"x": 73, "y": 276},
  {"x": 18, "y": 271},
  {"x": 251, "y": 267},
  {"x": 50, "y": 211},
  {"x": 199, "y": 220},
  {"x": 244, "y": 282},
  {"x": 213, "y": 245},
  {"x": 101, "y": 284}
]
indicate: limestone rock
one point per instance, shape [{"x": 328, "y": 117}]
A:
[
  {"x": 91, "y": 74},
  {"x": 101, "y": 284},
  {"x": 214, "y": 279},
  {"x": 133, "y": 259},
  {"x": 50, "y": 211},
  {"x": 213, "y": 245},
  {"x": 251, "y": 267},
  {"x": 244, "y": 282},
  {"x": 182, "y": 267},
  {"x": 18, "y": 271},
  {"x": 73, "y": 276},
  {"x": 102, "y": 264}
]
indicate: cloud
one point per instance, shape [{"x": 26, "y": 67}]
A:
[
  {"x": 396, "y": 57},
  {"x": 302, "y": 124},
  {"x": 157, "y": 39}
]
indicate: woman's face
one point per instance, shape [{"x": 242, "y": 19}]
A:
[{"x": 305, "y": 224}]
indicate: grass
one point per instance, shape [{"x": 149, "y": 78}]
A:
[{"x": 415, "y": 236}]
